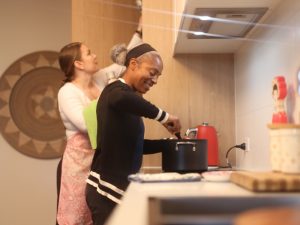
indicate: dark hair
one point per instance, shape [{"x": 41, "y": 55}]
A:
[
  {"x": 138, "y": 51},
  {"x": 67, "y": 56}
]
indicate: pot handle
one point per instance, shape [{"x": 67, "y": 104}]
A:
[
  {"x": 185, "y": 143},
  {"x": 191, "y": 130}
]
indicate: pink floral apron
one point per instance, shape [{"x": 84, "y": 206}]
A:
[{"x": 77, "y": 160}]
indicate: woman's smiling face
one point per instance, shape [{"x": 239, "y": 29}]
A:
[{"x": 147, "y": 71}]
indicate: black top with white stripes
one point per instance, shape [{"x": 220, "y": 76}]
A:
[{"x": 120, "y": 138}]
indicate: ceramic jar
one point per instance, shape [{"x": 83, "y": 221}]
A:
[
  {"x": 275, "y": 150},
  {"x": 285, "y": 147}
]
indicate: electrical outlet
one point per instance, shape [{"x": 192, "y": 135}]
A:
[{"x": 247, "y": 142}]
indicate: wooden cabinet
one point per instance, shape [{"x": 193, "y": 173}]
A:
[{"x": 197, "y": 88}]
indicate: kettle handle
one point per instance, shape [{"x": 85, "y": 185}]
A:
[{"x": 191, "y": 130}]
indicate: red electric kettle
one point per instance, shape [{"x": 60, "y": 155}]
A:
[{"x": 205, "y": 131}]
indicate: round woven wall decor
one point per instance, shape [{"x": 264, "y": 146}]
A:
[{"x": 29, "y": 117}]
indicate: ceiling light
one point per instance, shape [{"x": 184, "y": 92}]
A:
[
  {"x": 204, "y": 17},
  {"x": 198, "y": 33}
]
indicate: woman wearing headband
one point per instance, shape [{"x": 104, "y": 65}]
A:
[{"x": 121, "y": 143}]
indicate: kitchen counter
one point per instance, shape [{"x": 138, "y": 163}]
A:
[{"x": 134, "y": 208}]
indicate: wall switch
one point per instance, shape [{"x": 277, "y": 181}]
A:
[{"x": 247, "y": 142}]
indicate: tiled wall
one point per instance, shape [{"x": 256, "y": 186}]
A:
[{"x": 272, "y": 51}]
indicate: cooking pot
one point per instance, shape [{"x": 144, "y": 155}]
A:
[
  {"x": 209, "y": 133},
  {"x": 184, "y": 155}
]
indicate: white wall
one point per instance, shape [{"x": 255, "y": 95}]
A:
[
  {"x": 28, "y": 185},
  {"x": 273, "y": 51}
]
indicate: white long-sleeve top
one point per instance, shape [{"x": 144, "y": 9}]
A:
[{"x": 71, "y": 102}]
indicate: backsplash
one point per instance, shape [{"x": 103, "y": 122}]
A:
[{"x": 271, "y": 51}]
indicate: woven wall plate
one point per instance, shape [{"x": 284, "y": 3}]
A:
[{"x": 29, "y": 117}]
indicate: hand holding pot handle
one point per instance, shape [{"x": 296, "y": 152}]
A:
[{"x": 173, "y": 124}]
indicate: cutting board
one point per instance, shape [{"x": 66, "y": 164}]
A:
[{"x": 266, "y": 181}]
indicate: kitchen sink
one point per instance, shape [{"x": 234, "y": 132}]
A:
[{"x": 209, "y": 210}]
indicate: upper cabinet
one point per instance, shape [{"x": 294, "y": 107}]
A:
[{"x": 217, "y": 26}]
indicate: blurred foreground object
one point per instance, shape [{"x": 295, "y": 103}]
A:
[{"x": 270, "y": 216}]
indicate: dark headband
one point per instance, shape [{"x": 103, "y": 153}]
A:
[{"x": 138, "y": 51}]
